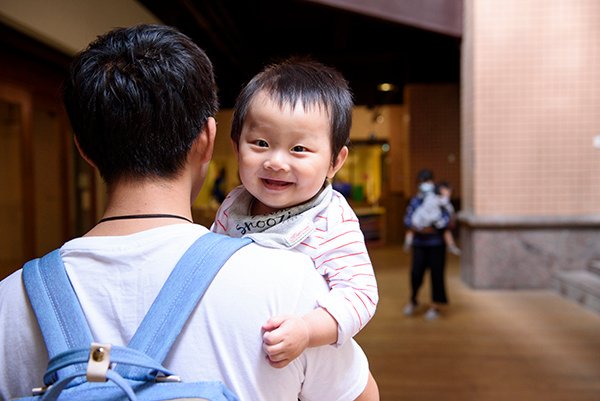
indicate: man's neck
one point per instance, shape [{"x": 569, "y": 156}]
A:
[{"x": 126, "y": 198}]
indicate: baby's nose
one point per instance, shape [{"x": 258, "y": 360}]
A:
[{"x": 277, "y": 161}]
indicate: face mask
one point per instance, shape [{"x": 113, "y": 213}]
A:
[{"x": 426, "y": 187}]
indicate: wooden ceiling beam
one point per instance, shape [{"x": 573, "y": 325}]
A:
[{"x": 441, "y": 16}]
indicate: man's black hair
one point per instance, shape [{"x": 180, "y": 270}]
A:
[
  {"x": 424, "y": 175},
  {"x": 137, "y": 99}
]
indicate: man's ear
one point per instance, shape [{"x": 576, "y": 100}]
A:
[
  {"x": 338, "y": 162},
  {"x": 205, "y": 142},
  {"x": 83, "y": 155}
]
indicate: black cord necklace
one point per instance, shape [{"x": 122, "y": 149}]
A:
[{"x": 145, "y": 216}]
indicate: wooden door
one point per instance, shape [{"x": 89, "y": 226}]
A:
[
  {"x": 17, "y": 234},
  {"x": 34, "y": 178}
]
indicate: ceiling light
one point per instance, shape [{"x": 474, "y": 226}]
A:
[{"x": 386, "y": 87}]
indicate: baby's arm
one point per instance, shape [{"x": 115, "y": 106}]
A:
[
  {"x": 340, "y": 256},
  {"x": 347, "y": 308},
  {"x": 346, "y": 265},
  {"x": 286, "y": 337}
]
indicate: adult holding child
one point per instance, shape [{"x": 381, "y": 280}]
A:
[
  {"x": 142, "y": 101},
  {"x": 428, "y": 248}
]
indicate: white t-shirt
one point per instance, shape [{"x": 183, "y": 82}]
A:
[{"x": 116, "y": 280}]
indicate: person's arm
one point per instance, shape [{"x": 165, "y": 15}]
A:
[
  {"x": 414, "y": 205},
  {"x": 331, "y": 373},
  {"x": 371, "y": 392},
  {"x": 410, "y": 209},
  {"x": 322, "y": 328},
  {"x": 409, "y": 236},
  {"x": 286, "y": 337},
  {"x": 342, "y": 258},
  {"x": 347, "y": 308},
  {"x": 445, "y": 219}
]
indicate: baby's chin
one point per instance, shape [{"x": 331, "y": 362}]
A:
[{"x": 268, "y": 208}]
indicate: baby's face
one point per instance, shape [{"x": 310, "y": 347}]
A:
[
  {"x": 445, "y": 192},
  {"x": 284, "y": 155}
]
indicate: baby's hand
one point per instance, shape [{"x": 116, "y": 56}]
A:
[{"x": 285, "y": 338}]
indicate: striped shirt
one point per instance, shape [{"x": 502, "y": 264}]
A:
[{"x": 329, "y": 232}]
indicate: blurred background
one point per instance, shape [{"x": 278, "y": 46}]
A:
[
  {"x": 402, "y": 60},
  {"x": 498, "y": 97}
]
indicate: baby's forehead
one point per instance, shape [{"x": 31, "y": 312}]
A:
[{"x": 289, "y": 101}]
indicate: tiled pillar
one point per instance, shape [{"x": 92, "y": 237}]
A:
[
  {"x": 434, "y": 133},
  {"x": 530, "y": 112}
]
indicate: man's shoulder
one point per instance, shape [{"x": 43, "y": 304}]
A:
[
  {"x": 258, "y": 254},
  {"x": 11, "y": 285},
  {"x": 14, "y": 304},
  {"x": 275, "y": 265},
  {"x": 416, "y": 200},
  {"x": 19, "y": 339}
]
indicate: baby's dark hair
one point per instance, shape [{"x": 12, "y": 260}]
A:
[
  {"x": 305, "y": 80},
  {"x": 442, "y": 184}
]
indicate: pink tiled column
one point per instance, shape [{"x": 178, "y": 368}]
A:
[{"x": 530, "y": 113}]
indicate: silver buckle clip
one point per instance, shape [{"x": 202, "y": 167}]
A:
[
  {"x": 168, "y": 379},
  {"x": 38, "y": 391}
]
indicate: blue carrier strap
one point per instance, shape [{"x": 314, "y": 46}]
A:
[
  {"x": 179, "y": 295},
  {"x": 63, "y": 324},
  {"x": 56, "y": 306}
]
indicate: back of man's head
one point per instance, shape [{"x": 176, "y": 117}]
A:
[
  {"x": 137, "y": 98},
  {"x": 424, "y": 175}
]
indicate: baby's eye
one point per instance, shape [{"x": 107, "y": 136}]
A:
[
  {"x": 298, "y": 148},
  {"x": 261, "y": 143}
]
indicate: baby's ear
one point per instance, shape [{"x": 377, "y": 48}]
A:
[{"x": 338, "y": 162}]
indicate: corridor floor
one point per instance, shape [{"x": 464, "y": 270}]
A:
[{"x": 489, "y": 345}]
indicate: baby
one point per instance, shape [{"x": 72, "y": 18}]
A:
[
  {"x": 429, "y": 213},
  {"x": 290, "y": 128}
]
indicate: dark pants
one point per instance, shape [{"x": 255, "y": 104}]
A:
[{"x": 434, "y": 258}]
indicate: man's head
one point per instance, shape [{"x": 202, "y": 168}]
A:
[
  {"x": 425, "y": 181},
  {"x": 308, "y": 83},
  {"x": 424, "y": 175},
  {"x": 137, "y": 99}
]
